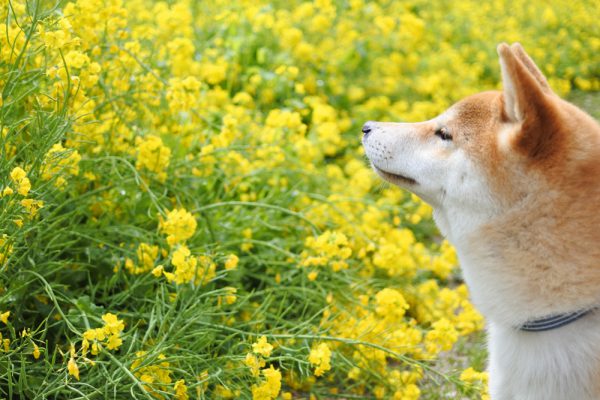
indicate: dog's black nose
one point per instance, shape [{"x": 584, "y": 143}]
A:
[{"x": 367, "y": 128}]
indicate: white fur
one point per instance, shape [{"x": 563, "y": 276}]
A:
[
  {"x": 553, "y": 365},
  {"x": 452, "y": 184}
]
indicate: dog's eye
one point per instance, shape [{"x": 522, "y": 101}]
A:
[{"x": 443, "y": 133}]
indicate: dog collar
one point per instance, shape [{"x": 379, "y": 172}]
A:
[{"x": 554, "y": 321}]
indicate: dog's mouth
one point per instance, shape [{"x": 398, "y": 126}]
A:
[{"x": 394, "y": 178}]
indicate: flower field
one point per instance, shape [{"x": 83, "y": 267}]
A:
[{"x": 186, "y": 211}]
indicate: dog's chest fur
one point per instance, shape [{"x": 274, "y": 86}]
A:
[
  {"x": 556, "y": 365},
  {"x": 560, "y": 364}
]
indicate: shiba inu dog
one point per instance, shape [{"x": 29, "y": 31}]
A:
[{"x": 514, "y": 180}]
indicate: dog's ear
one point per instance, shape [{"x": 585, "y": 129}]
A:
[
  {"x": 519, "y": 51},
  {"x": 523, "y": 89},
  {"x": 527, "y": 100}
]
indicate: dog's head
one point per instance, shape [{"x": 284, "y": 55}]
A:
[{"x": 491, "y": 149}]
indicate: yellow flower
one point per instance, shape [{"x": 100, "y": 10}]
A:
[
  {"x": 230, "y": 297},
  {"x": 112, "y": 325},
  {"x": 321, "y": 358},
  {"x": 477, "y": 379},
  {"x": 270, "y": 388},
  {"x": 36, "y": 351},
  {"x": 90, "y": 334},
  {"x": 441, "y": 338},
  {"x": 185, "y": 265},
  {"x": 85, "y": 346},
  {"x": 254, "y": 363},
  {"x": 158, "y": 270},
  {"x": 247, "y": 245},
  {"x": 4, "y": 317},
  {"x": 146, "y": 255},
  {"x": 262, "y": 347},
  {"x": 32, "y": 206},
  {"x": 19, "y": 177},
  {"x": 6, "y": 248},
  {"x": 109, "y": 335},
  {"x": 114, "y": 342},
  {"x": 180, "y": 225},
  {"x": 76, "y": 59},
  {"x": 100, "y": 334},
  {"x": 153, "y": 155},
  {"x": 391, "y": 304},
  {"x": 214, "y": 73},
  {"x": 183, "y": 94},
  {"x": 231, "y": 262},
  {"x": 181, "y": 390},
  {"x": 155, "y": 375},
  {"x": 73, "y": 368},
  {"x": 17, "y": 174}
]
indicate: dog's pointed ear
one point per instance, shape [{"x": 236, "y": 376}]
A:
[
  {"x": 522, "y": 90},
  {"x": 519, "y": 51},
  {"x": 527, "y": 101}
]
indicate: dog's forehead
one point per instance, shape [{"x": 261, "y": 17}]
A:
[
  {"x": 446, "y": 116},
  {"x": 476, "y": 111}
]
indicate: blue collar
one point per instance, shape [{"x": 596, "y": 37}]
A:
[{"x": 554, "y": 321}]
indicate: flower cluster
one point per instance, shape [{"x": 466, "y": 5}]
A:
[
  {"x": 320, "y": 356},
  {"x": 93, "y": 341},
  {"x": 180, "y": 225},
  {"x": 109, "y": 335}
]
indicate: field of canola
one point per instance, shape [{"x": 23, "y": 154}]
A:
[{"x": 186, "y": 211}]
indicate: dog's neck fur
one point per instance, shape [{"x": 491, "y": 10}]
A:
[{"x": 529, "y": 262}]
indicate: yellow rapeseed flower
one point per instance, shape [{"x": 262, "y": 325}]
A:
[
  {"x": 4, "y": 317},
  {"x": 231, "y": 262},
  {"x": 72, "y": 368},
  {"x": 185, "y": 265},
  {"x": 254, "y": 363},
  {"x": 114, "y": 342},
  {"x": 19, "y": 177},
  {"x": 390, "y": 304},
  {"x": 320, "y": 356},
  {"x": 181, "y": 390},
  {"x": 180, "y": 225},
  {"x": 153, "y": 155},
  {"x": 262, "y": 347},
  {"x": 32, "y": 206},
  {"x": 36, "y": 351},
  {"x": 112, "y": 325},
  {"x": 270, "y": 388}
]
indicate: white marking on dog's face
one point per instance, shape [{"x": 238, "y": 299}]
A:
[{"x": 420, "y": 157}]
